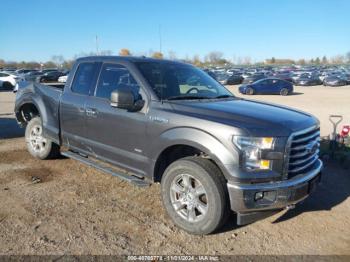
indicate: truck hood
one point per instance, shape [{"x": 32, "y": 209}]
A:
[{"x": 250, "y": 117}]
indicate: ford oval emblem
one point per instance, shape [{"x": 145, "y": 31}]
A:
[{"x": 311, "y": 148}]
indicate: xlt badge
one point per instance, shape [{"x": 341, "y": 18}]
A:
[{"x": 159, "y": 119}]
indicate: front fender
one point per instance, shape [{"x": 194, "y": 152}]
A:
[{"x": 199, "y": 139}]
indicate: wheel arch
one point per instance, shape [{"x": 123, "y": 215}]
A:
[
  {"x": 27, "y": 110},
  {"x": 31, "y": 106},
  {"x": 183, "y": 142}
]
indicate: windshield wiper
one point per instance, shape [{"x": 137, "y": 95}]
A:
[
  {"x": 197, "y": 97},
  {"x": 223, "y": 96},
  {"x": 186, "y": 97}
]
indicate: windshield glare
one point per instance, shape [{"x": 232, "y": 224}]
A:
[{"x": 173, "y": 80}]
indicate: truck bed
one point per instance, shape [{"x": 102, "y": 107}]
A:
[{"x": 54, "y": 84}]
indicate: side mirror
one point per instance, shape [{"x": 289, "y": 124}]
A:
[{"x": 122, "y": 98}]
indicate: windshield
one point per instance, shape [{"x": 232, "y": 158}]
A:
[{"x": 180, "y": 81}]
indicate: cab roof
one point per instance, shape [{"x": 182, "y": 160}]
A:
[{"x": 132, "y": 59}]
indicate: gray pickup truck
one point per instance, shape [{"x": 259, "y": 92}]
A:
[{"x": 147, "y": 120}]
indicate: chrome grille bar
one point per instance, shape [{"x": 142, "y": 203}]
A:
[
  {"x": 317, "y": 134},
  {"x": 298, "y": 162},
  {"x": 313, "y": 160},
  {"x": 303, "y": 151}
]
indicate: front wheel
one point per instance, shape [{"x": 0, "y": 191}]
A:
[
  {"x": 194, "y": 195},
  {"x": 37, "y": 144}
]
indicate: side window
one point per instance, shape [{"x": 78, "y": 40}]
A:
[
  {"x": 114, "y": 76},
  {"x": 3, "y": 75},
  {"x": 264, "y": 82},
  {"x": 83, "y": 79}
]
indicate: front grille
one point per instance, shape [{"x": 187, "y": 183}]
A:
[{"x": 304, "y": 151}]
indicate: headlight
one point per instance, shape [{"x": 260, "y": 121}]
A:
[{"x": 251, "y": 151}]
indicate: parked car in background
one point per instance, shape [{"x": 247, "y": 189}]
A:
[
  {"x": 335, "y": 80},
  {"x": 32, "y": 76},
  {"x": 9, "y": 69},
  {"x": 222, "y": 78},
  {"x": 63, "y": 79},
  {"x": 211, "y": 73},
  {"x": 268, "y": 86},
  {"x": 24, "y": 71},
  {"x": 296, "y": 74},
  {"x": 284, "y": 76},
  {"x": 9, "y": 80},
  {"x": 234, "y": 79},
  {"x": 307, "y": 80},
  {"x": 346, "y": 76},
  {"x": 46, "y": 70},
  {"x": 253, "y": 78},
  {"x": 51, "y": 76}
]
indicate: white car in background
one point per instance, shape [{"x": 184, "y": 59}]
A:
[
  {"x": 8, "y": 80},
  {"x": 63, "y": 79}
]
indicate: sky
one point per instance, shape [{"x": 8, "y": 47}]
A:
[{"x": 38, "y": 29}]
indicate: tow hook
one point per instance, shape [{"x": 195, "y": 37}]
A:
[{"x": 289, "y": 207}]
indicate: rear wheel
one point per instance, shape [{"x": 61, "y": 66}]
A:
[
  {"x": 194, "y": 195},
  {"x": 38, "y": 145},
  {"x": 7, "y": 86},
  {"x": 284, "y": 92},
  {"x": 250, "y": 91}
]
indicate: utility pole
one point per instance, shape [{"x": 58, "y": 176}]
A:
[
  {"x": 96, "y": 45},
  {"x": 160, "y": 39}
]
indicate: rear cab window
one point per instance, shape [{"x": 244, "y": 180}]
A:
[{"x": 85, "y": 78}]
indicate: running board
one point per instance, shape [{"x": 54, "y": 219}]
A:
[{"x": 129, "y": 178}]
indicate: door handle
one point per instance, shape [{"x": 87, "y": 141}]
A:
[{"x": 91, "y": 112}]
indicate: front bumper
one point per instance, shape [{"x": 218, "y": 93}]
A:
[{"x": 266, "y": 197}]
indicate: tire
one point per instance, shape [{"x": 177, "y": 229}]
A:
[
  {"x": 284, "y": 92},
  {"x": 250, "y": 91},
  {"x": 38, "y": 145},
  {"x": 207, "y": 199}
]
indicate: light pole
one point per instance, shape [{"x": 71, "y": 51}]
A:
[
  {"x": 96, "y": 45},
  {"x": 160, "y": 38}
]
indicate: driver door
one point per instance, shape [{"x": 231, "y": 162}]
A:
[{"x": 115, "y": 134}]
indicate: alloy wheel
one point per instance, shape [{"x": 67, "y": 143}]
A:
[
  {"x": 37, "y": 141},
  {"x": 189, "y": 198}
]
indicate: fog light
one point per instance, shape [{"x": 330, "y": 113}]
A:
[
  {"x": 259, "y": 195},
  {"x": 264, "y": 164}
]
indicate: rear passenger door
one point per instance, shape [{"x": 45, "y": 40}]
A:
[
  {"x": 73, "y": 105},
  {"x": 115, "y": 134}
]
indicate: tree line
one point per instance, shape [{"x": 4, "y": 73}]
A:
[{"x": 214, "y": 58}]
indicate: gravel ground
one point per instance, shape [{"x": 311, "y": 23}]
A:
[{"x": 75, "y": 209}]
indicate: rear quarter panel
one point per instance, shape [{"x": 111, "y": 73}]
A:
[{"x": 47, "y": 100}]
